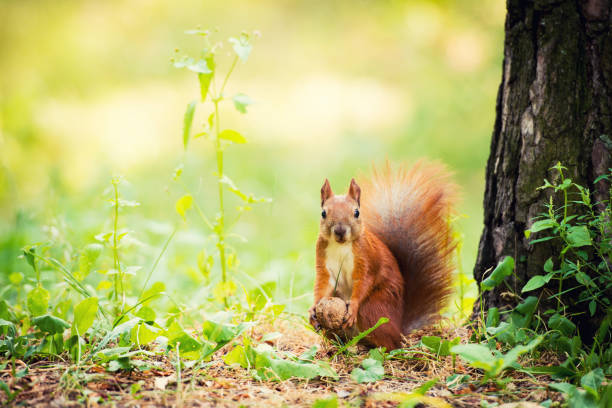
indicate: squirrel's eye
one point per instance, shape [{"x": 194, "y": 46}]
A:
[
  {"x": 356, "y": 213},
  {"x": 323, "y": 214}
]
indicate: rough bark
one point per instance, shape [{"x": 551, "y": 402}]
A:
[{"x": 553, "y": 104}]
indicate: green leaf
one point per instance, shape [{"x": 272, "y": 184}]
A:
[
  {"x": 535, "y": 241},
  {"x": 584, "y": 279},
  {"x": 564, "y": 325},
  {"x": 443, "y": 349},
  {"x": 232, "y": 136},
  {"x": 409, "y": 399},
  {"x": 50, "y": 324},
  {"x": 492, "y": 317},
  {"x": 504, "y": 331},
  {"x": 565, "y": 185},
  {"x": 241, "y": 46},
  {"x": 542, "y": 225},
  {"x": 10, "y": 396},
  {"x": 29, "y": 256},
  {"x": 189, "y": 347},
  {"x": 512, "y": 356},
  {"x": 121, "y": 363},
  {"x": 259, "y": 296},
  {"x": 523, "y": 312},
  {"x": 183, "y": 204},
  {"x": 156, "y": 289},
  {"x": 61, "y": 308},
  {"x": 113, "y": 353},
  {"x": 206, "y": 78},
  {"x": 15, "y": 278},
  {"x": 592, "y": 307},
  {"x": 87, "y": 258},
  {"x": 606, "y": 396},
  {"x": 563, "y": 387},
  {"x": 477, "y": 354},
  {"x": 426, "y": 386},
  {"x": 548, "y": 265},
  {"x": 7, "y": 328},
  {"x": 361, "y": 335},
  {"x": 583, "y": 399},
  {"x": 576, "y": 396},
  {"x": 556, "y": 371},
  {"x": 38, "y": 301},
  {"x": 134, "y": 389},
  {"x": 503, "y": 269},
  {"x": 223, "y": 290},
  {"x": 237, "y": 356},
  {"x": 178, "y": 171},
  {"x": 578, "y": 236},
  {"x": 84, "y": 315},
  {"x": 592, "y": 381},
  {"x": 286, "y": 369},
  {"x": 222, "y": 332},
  {"x": 536, "y": 282},
  {"x": 455, "y": 380},
  {"x": 375, "y": 354},
  {"x": 146, "y": 313},
  {"x": 434, "y": 343},
  {"x": 199, "y": 66},
  {"x": 268, "y": 366},
  {"x": 241, "y": 101},
  {"x": 6, "y": 312},
  {"x": 234, "y": 189},
  {"x": 187, "y": 121},
  {"x": 308, "y": 355},
  {"x": 331, "y": 402},
  {"x": 117, "y": 331},
  {"x": 372, "y": 371},
  {"x": 205, "y": 263},
  {"x": 143, "y": 333}
]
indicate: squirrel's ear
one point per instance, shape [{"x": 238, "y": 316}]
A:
[
  {"x": 354, "y": 191},
  {"x": 326, "y": 192}
]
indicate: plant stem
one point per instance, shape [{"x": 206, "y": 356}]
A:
[
  {"x": 179, "y": 382},
  {"x": 220, "y": 227},
  {"x": 564, "y": 226},
  {"x": 157, "y": 262},
  {"x": 118, "y": 273},
  {"x": 37, "y": 271},
  {"x": 234, "y": 62}
]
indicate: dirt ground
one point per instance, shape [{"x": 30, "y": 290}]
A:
[{"x": 58, "y": 383}]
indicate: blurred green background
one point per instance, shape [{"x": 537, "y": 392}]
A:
[{"x": 87, "y": 91}]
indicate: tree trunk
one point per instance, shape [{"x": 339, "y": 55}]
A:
[{"x": 553, "y": 105}]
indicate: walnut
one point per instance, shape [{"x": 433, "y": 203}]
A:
[{"x": 331, "y": 312}]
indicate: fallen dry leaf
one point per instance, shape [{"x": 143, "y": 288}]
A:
[{"x": 162, "y": 382}]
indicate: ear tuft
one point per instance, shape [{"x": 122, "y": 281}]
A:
[
  {"x": 326, "y": 192},
  {"x": 355, "y": 191}
]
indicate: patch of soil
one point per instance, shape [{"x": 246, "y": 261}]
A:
[{"x": 58, "y": 383}]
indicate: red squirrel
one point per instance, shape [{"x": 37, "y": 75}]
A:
[{"x": 389, "y": 252}]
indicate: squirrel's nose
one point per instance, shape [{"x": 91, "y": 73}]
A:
[{"x": 340, "y": 231}]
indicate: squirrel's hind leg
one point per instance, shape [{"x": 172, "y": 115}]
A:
[{"x": 375, "y": 306}]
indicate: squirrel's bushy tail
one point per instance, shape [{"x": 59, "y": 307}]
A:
[{"x": 410, "y": 211}]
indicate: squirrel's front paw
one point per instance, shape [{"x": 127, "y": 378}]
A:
[
  {"x": 312, "y": 317},
  {"x": 351, "y": 315}
]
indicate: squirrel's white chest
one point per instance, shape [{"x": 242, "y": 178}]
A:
[{"x": 339, "y": 263}]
